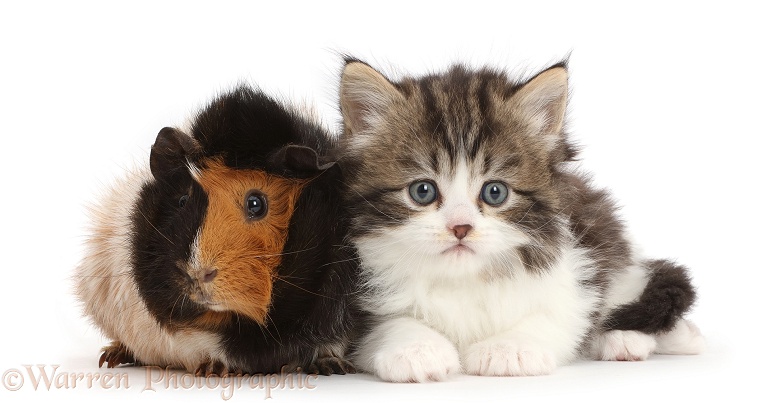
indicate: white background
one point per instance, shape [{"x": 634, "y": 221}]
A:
[{"x": 665, "y": 101}]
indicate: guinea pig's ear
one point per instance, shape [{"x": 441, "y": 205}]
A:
[
  {"x": 298, "y": 161},
  {"x": 170, "y": 151}
]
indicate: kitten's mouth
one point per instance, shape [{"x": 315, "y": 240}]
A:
[{"x": 459, "y": 250}]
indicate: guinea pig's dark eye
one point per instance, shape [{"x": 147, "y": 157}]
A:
[
  {"x": 256, "y": 206},
  {"x": 494, "y": 193},
  {"x": 183, "y": 200},
  {"x": 423, "y": 192}
]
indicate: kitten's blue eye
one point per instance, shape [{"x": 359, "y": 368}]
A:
[
  {"x": 494, "y": 193},
  {"x": 423, "y": 192}
]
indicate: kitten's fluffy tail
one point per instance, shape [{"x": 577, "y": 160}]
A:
[
  {"x": 667, "y": 296},
  {"x": 660, "y": 309}
]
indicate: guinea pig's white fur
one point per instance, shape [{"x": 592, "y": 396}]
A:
[{"x": 104, "y": 281}]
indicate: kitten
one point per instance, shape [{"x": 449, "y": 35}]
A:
[{"x": 481, "y": 250}]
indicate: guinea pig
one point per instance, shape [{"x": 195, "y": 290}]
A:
[{"x": 225, "y": 253}]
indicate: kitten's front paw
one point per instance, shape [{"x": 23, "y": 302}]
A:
[
  {"x": 508, "y": 358},
  {"x": 420, "y": 361},
  {"x": 625, "y": 345}
]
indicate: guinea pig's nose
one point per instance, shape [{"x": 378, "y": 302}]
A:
[{"x": 210, "y": 275}]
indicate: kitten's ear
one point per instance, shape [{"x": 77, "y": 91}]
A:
[
  {"x": 365, "y": 97},
  {"x": 542, "y": 101}
]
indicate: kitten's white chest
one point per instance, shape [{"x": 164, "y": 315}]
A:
[
  {"x": 470, "y": 309},
  {"x": 467, "y": 311}
]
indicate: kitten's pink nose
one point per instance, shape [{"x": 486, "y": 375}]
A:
[{"x": 461, "y": 231}]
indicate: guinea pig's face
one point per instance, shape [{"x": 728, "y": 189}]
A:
[
  {"x": 240, "y": 240},
  {"x": 207, "y": 238}
]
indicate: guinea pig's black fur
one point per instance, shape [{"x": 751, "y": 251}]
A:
[
  {"x": 298, "y": 313},
  {"x": 311, "y": 305}
]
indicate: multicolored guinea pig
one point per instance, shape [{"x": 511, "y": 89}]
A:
[{"x": 226, "y": 253}]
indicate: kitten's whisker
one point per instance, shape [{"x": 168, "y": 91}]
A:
[
  {"x": 371, "y": 205},
  {"x": 526, "y": 213}
]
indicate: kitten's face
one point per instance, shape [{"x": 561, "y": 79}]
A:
[{"x": 453, "y": 174}]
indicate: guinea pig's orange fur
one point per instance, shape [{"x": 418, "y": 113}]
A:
[{"x": 244, "y": 253}]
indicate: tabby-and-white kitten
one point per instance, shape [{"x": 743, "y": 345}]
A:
[{"x": 481, "y": 250}]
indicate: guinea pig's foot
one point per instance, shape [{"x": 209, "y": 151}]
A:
[
  {"x": 216, "y": 368},
  {"x": 330, "y": 365},
  {"x": 116, "y": 354}
]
